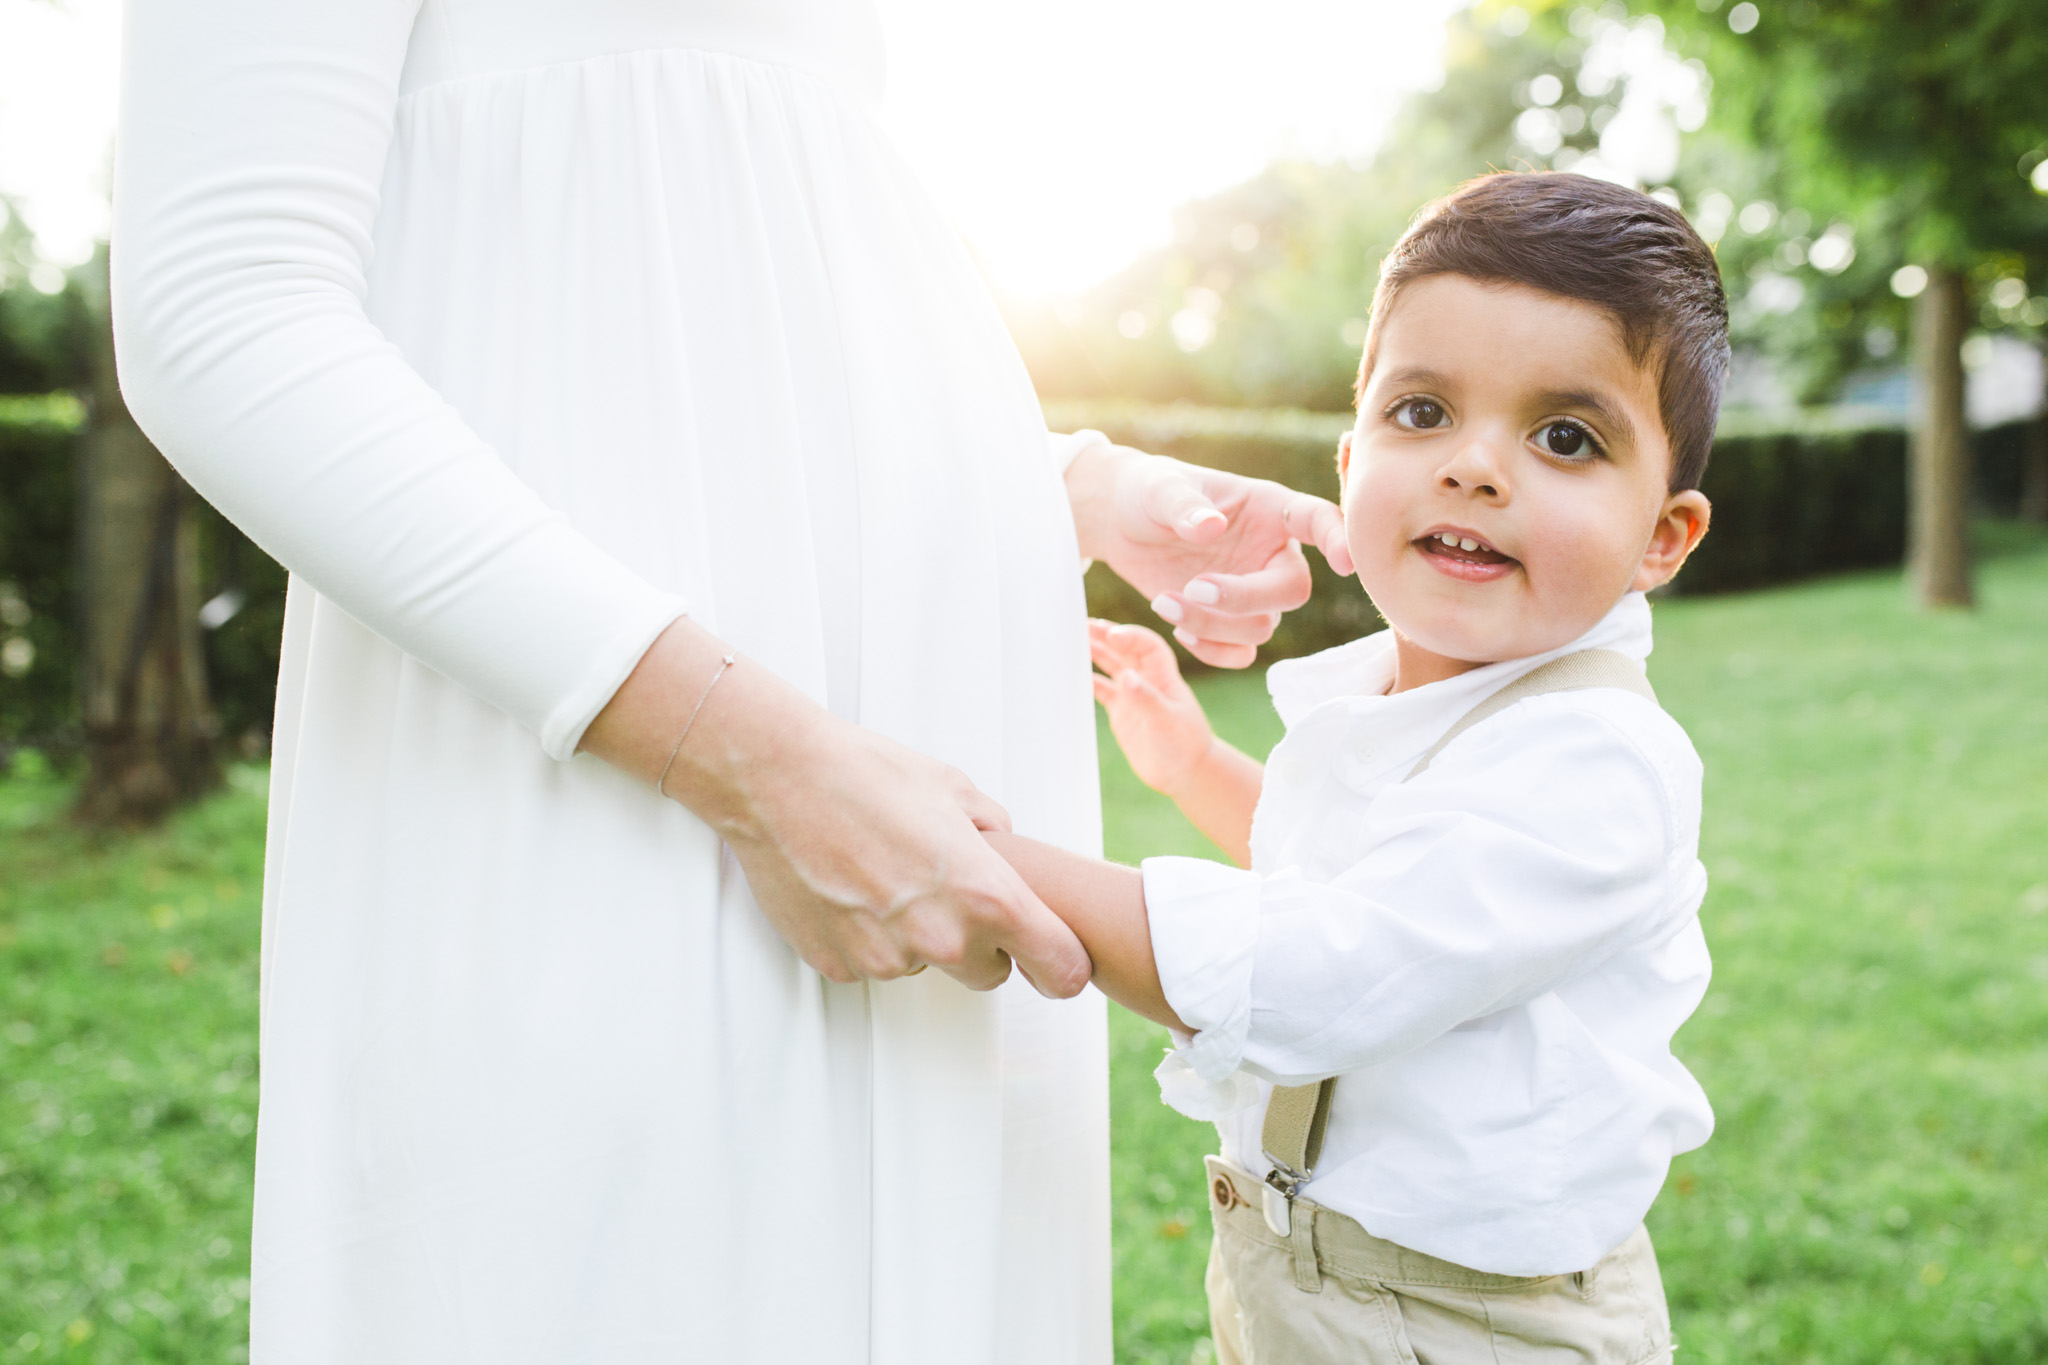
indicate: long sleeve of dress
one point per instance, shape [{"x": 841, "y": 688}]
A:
[
  {"x": 252, "y": 141},
  {"x": 1066, "y": 447},
  {"x": 1526, "y": 853}
]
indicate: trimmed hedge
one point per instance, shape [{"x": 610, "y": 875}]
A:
[{"x": 1821, "y": 494}]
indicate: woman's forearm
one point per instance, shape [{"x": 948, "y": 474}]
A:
[
  {"x": 742, "y": 715},
  {"x": 1219, "y": 797},
  {"x": 1104, "y": 904}
]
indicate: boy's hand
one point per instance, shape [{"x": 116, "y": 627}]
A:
[{"x": 1152, "y": 710}]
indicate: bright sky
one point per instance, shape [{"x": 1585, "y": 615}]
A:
[
  {"x": 1059, "y": 134},
  {"x": 58, "y": 67}
]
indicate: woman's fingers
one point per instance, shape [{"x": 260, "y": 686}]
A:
[
  {"x": 1316, "y": 522},
  {"x": 1174, "y": 502},
  {"x": 1218, "y": 655},
  {"x": 1217, "y": 611},
  {"x": 983, "y": 918},
  {"x": 1279, "y": 585},
  {"x": 1046, "y": 950},
  {"x": 984, "y": 810},
  {"x": 868, "y": 859}
]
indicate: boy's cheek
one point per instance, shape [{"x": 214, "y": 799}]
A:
[{"x": 1374, "y": 537}]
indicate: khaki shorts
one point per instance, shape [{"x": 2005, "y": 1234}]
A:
[{"x": 1381, "y": 1304}]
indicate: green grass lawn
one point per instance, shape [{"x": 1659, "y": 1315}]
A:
[
  {"x": 1876, "y": 1040},
  {"x": 127, "y": 1079}
]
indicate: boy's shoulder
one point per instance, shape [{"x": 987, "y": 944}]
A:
[
  {"x": 1597, "y": 740},
  {"x": 1588, "y": 719}
]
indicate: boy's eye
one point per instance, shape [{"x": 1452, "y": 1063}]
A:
[
  {"x": 1420, "y": 414},
  {"x": 1567, "y": 440}
]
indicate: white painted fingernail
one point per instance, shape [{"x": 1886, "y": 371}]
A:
[
  {"x": 1167, "y": 608},
  {"x": 1187, "y": 641},
  {"x": 1202, "y": 514},
  {"x": 1208, "y": 594}
]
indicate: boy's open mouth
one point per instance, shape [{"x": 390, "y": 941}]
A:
[{"x": 1463, "y": 556}]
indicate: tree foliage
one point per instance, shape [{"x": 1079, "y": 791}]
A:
[
  {"x": 1927, "y": 121},
  {"x": 1930, "y": 115},
  {"x": 1912, "y": 128},
  {"x": 44, "y": 338}
]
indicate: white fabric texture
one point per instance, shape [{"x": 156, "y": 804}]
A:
[
  {"x": 1492, "y": 956},
  {"x": 513, "y": 329}
]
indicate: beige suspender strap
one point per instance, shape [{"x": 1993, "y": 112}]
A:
[
  {"x": 1297, "y": 1115},
  {"x": 1295, "y": 1119},
  {"x": 1572, "y": 673}
]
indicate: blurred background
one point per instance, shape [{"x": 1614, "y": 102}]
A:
[{"x": 1180, "y": 208}]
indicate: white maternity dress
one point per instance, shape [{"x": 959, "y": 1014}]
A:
[{"x": 515, "y": 328}]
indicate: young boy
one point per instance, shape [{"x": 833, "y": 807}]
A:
[{"x": 1431, "y": 1011}]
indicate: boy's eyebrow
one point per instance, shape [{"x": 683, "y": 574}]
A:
[
  {"x": 1418, "y": 377},
  {"x": 1608, "y": 414}
]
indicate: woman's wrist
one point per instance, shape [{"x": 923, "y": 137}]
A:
[
  {"x": 1091, "y": 480},
  {"x": 740, "y": 720}
]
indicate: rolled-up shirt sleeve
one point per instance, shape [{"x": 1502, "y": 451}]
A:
[
  {"x": 1523, "y": 855},
  {"x": 252, "y": 141}
]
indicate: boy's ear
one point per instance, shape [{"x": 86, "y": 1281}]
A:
[
  {"x": 1343, "y": 458},
  {"x": 1678, "y": 531}
]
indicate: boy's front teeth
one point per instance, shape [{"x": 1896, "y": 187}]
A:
[{"x": 1458, "y": 543}]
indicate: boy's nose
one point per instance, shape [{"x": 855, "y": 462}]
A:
[{"x": 1475, "y": 467}]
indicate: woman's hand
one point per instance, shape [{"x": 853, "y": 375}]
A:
[
  {"x": 1153, "y": 713},
  {"x": 1218, "y": 555},
  {"x": 865, "y": 855}
]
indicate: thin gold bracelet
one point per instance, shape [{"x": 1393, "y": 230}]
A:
[{"x": 723, "y": 665}]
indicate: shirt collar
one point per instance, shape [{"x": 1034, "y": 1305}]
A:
[{"x": 1365, "y": 668}]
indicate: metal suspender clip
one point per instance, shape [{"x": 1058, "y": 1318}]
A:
[
  {"x": 1276, "y": 1201},
  {"x": 1292, "y": 1139}
]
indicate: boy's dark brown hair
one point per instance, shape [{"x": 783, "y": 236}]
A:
[{"x": 1618, "y": 249}]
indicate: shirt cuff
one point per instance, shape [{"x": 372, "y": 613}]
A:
[
  {"x": 1184, "y": 1090},
  {"x": 1065, "y": 449},
  {"x": 1204, "y": 920}
]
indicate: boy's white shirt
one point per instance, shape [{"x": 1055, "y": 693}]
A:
[{"x": 1493, "y": 956}]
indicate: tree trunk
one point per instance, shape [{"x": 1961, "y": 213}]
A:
[
  {"x": 149, "y": 729},
  {"x": 1938, "y": 532},
  {"x": 2034, "y": 476}
]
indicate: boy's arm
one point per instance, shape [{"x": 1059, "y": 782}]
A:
[
  {"x": 1160, "y": 727},
  {"x": 1219, "y": 796},
  {"x": 1104, "y": 905}
]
